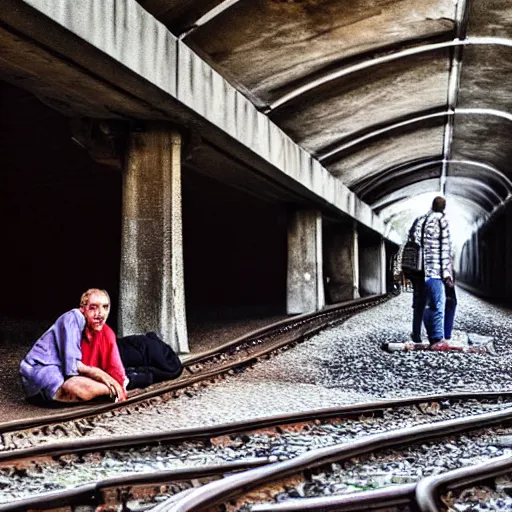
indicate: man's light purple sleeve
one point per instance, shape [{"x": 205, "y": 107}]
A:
[
  {"x": 68, "y": 338},
  {"x": 54, "y": 356}
]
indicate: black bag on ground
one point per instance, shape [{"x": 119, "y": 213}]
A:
[{"x": 148, "y": 360}]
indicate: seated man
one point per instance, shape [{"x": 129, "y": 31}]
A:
[{"x": 77, "y": 359}]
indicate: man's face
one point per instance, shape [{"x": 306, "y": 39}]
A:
[{"x": 96, "y": 311}]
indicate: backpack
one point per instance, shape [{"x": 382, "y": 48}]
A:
[
  {"x": 148, "y": 360},
  {"x": 412, "y": 254},
  {"x": 412, "y": 259}
]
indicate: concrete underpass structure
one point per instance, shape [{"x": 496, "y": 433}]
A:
[
  {"x": 341, "y": 260},
  {"x": 198, "y": 160}
]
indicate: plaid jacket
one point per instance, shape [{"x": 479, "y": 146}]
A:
[{"x": 437, "y": 247}]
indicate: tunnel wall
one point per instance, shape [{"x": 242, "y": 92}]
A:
[
  {"x": 391, "y": 255},
  {"x": 484, "y": 262},
  {"x": 372, "y": 268},
  {"x": 340, "y": 262}
]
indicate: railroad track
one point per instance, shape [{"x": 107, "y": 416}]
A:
[
  {"x": 149, "y": 486},
  {"x": 199, "y": 370},
  {"x": 290, "y": 478},
  {"x": 130, "y": 492},
  {"x": 139, "y": 491}
]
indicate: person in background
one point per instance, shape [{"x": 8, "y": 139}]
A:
[
  {"x": 450, "y": 307},
  {"x": 429, "y": 295},
  {"x": 77, "y": 359},
  {"x": 449, "y": 311}
]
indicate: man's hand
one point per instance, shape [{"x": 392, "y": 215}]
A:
[
  {"x": 116, "y": 391},
  {"x": 448, "y": 281}
]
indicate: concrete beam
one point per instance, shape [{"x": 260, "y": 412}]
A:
[{"x": 119, "y": 43}]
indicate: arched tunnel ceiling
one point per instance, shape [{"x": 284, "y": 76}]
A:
[{"x": 399, "y": 99}]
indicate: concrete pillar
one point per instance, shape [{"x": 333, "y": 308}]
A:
[
  {"x": 357, "y": 266},
  {"x": 373, "y": 268},
  {"x": 342, "y": 264},
  {"x": 305, "y": 288},
  {"x": 152, "y": 296},
  {"x": 383, "y": 267},
  {"x": 391, "y": 252}
]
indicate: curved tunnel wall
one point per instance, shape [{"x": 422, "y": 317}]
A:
[{"x": 484, "y": 263}]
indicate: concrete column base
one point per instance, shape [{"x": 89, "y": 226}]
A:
[
  {"x": 341, "y": 263},
  {"x": 373, "y": 268},
  {"x": 305, "y": 289},
  {"x": 152, "y": 296}
]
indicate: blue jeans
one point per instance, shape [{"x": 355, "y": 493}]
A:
[{"x": 435, "y": 302}]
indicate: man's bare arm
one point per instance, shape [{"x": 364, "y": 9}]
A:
[{"x": 97, "y": 374}]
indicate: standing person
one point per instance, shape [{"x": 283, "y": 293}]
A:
[
  {"x": 416, "y": 280},
  {"x": 432, "y": 232},
  {"x": 451, "y": 306},
  {"x": 77, "y": 359}
]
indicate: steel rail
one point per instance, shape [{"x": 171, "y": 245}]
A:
[
  {"x": 289, "y": 331},
  {"x": 427, "y": 490},
  {"x": 232, "y": 486},
  {"x": 91, "y": 493},
  {"x": 269, "y": 329},
  {"x": 397, "y": 495},
  {"x": 175, "y": 436},
  {"x": 84, "y": 494},
  {"x": 425, "y": 493}
]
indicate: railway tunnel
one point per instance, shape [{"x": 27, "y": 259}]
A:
[
  {"x": 224, "y": 165},
  {"x": 250, "y": 159}
]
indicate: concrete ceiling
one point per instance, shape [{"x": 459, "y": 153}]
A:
[{"x": 399, "y": 99}]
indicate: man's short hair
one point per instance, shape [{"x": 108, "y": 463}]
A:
[
  {"x": 84, "y": 299},
  {"x": 439, "y": 204}
]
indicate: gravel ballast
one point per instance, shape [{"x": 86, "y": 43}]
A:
[{"x": 341, "y": 365}]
